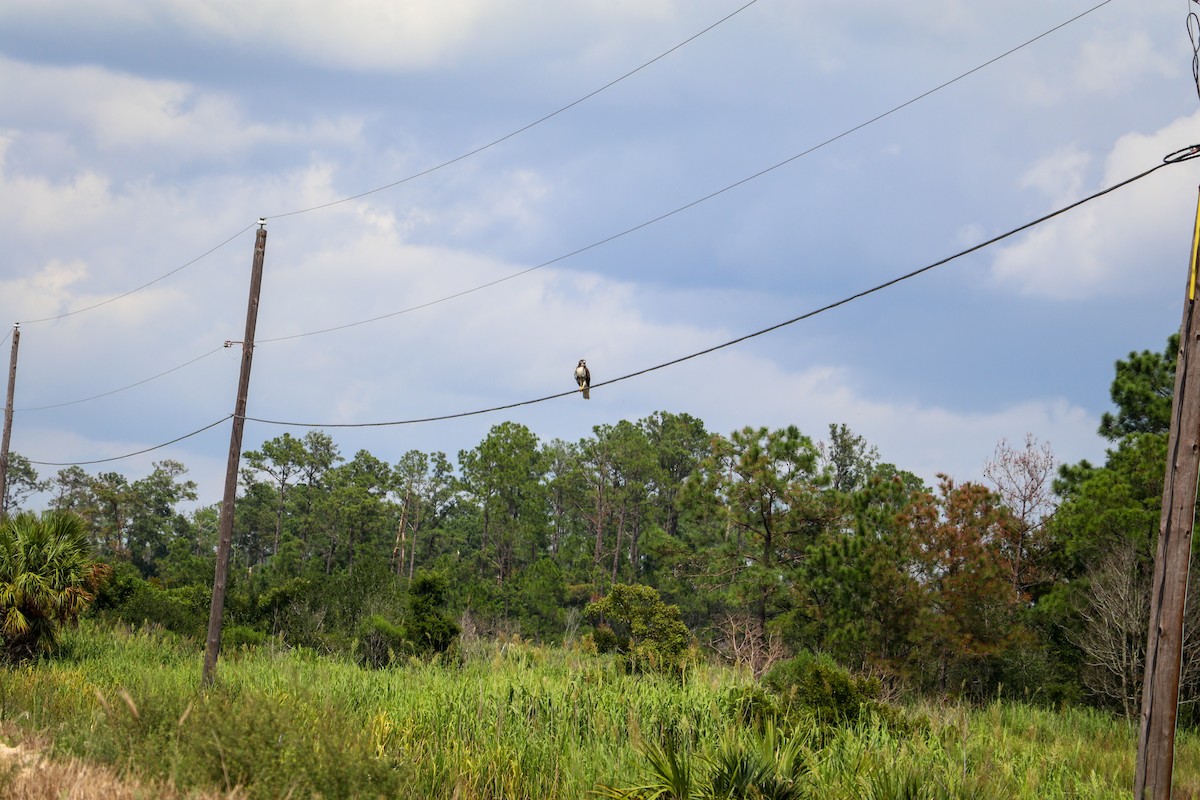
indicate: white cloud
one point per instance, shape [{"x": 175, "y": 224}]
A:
[
  {"x": 1114, "y": 63},
  {"x": 365, "y": 35},
  {"x": 109, "y": 179},
  {"x": 36, "y": 205},
  {"x": 925, "y": 439},
  {"x": 362, "y": 34},
  {"x": 1127, "y": 241},
  {"x": 119, "y": 112},
  {"x": 1059, "y": 176}
]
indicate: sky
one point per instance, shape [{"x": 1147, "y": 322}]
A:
[{"x": 507, "y": 187}]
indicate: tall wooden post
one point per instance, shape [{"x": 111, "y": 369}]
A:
[
  {"x": 8, "y": 412},
  {"x": 1164, "y": 648},
  {"x": 217, "y": 609}
]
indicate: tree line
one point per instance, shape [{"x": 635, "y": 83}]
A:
[{"x": 768, "y": 542}]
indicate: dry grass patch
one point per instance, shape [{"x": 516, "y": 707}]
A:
[{"x": 27, "y": 774}]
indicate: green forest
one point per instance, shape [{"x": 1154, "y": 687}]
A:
[{"x": 646, "y": 555}]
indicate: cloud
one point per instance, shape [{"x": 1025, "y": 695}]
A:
[
  {"x": 923, "y": 438},
  {"x": 113, "y": 111},
  {"x": 361, "y": 35},
  {"x": 1114, "y": 63},
  {"x": 515, "y": 342},
  {"x": 35, "y": 205},
  {"x": 1130, "y": 241}
]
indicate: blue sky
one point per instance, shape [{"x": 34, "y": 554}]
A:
[{"x": 136, "y": 136}]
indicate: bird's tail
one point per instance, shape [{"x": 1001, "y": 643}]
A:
[{"x": 587, "y": 393}]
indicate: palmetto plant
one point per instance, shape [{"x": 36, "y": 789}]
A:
[
  {"x": 767, "y": 767},
  {"x": 47, "y": 578}
]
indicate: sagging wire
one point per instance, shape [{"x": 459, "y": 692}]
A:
[
  {"x": 808, "y": 151},
  {"x": 520, "y": 130},
  {"x": 1193, "y": 29},
  {"x": 131, "y": 455},
  {"x": 147, "y": 285},
  {"x": 1177, "y": 157},
  {"x": 123, "y": 388}
]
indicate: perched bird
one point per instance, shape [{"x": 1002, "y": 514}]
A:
[{"x": 583, "y": 377}]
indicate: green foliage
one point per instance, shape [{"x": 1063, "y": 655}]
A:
[
  {"x": 814, "y": 683},
  {"x": 183, "y": 610},
  {"x": 863, "y": 594},
  {"x": 428, "y": 627},
  {"x": 672, "y": 775},
  {"x": 651, "y": 634},
  {"x": 607, "y": 641},
  {"x": 21, "y": 481},
  {"x": 1101, "y": 544},
  {"x": 752, "y": 706},
  {"x": 504, "y": 476},
  {"x": 763, "y": 542},
  {"x": 379, "y": 642},
  {"x": 1142, "y": 391},
  {"x": 764, "y": 488},
  {"x": 236, "y": 637},
  {"x": 519, "y": 721},
  {"x": 47, "y": 579}
]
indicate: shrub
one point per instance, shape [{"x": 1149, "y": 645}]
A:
[
  {"x": 650, "y": 634},
  {"x": 183, "y": 610},
  {"x": 236, "y": 636},
  {"x": 429, "y": 628},
  {"x": 751, "y": 706},
  {"x": 815, "y": 683},
  {"x": 607, "y": 641},
  {"x": 378, "y": 642}
]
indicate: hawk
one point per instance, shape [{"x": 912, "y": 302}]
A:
[{"x": 583, "y": 377}]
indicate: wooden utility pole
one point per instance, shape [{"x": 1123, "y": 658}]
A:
[
  {"x": 1164, "y": 648},
  {"x": 8, "y": 412},
  {"x": 217, "y": 610}
]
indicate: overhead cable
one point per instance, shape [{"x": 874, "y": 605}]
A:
[
  {"x": 434, "y": 168},
  {"x": 123, "y": 388},
  {"x": 181, "y": 267},
  {"x": 131, "y": 455},
  {"x": 522, "y": 129},
  {"x": 1193, "y": 29},
  {"x": 696, "y": 202},
  {"x": 1179, "y": 156}
]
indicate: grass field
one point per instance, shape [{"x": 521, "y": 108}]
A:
[{"x": 511, "y": 720}]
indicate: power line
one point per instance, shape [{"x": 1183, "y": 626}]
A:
[
  {"x": 1179, "y": 156},
  {"x": 435, "y": 168},
  {"x": 522, "y": 129},
  {"x": 703, "y": 199},
  {"x": 424, "y": 172},
  {"x": 1193, "y": 29},
  {"x": 180, "y": 268},
  {"x": 131, "y": 455},
  {"x": 123, "y": 388}
]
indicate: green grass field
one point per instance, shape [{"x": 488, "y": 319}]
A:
[{"x": 511, "y": 720}]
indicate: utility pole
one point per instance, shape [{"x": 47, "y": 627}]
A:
[
  {"x": 1164, "y": 648},
  {"x": 217, "y": 610},
  {"x": 8, "y": 412}
]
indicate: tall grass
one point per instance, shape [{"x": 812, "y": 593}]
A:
[{"x": 511, "y": 720}]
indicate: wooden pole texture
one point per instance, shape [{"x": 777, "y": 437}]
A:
[
  {"x": 6, "y": 438},
  {"x": 1164, "y": 647},
  {"x": 217, "y": 609}
]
